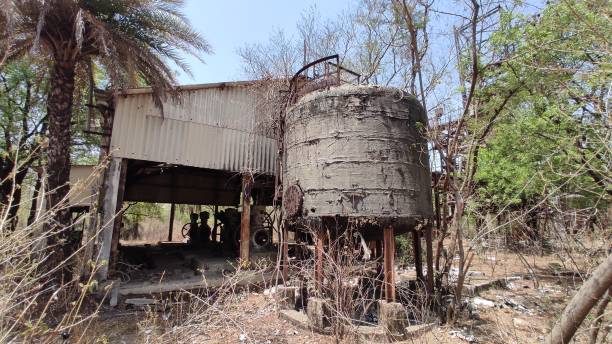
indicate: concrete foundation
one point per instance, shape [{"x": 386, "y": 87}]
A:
[
  {"x": 318, "y": 313},
  {"x": 392, "y": 317},
  {"x": 286, "y": 297},
  {"x": 392, "y": 328}
]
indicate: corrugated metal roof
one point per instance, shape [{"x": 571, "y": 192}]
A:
[{"x": 212, "y": 126}]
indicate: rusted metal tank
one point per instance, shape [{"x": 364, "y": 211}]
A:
[{"x": 357, "y": 152}]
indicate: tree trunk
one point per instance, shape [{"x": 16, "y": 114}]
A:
[
  {"x": 10, "y": 189},
  {"x": 580, "y": 305},
  {"x": 59, "y": 108},
  {"x": 6, "y": 184},
  {"x": 35, "y": 195},
  {"x": 599, "y": 315},
  {"x": 16, "y": 201}
]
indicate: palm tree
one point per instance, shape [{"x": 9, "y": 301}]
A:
[{"x": 132, "y": 40}]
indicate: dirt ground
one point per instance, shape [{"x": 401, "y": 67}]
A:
[{"x": 521, "y": 313}]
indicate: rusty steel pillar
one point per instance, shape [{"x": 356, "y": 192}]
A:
[
  {"x": 245, "y": 220},
  {"x": 171, "y": 224},
  {"x": 418, "y": 263},
  {"x": 389, "y": 263}
]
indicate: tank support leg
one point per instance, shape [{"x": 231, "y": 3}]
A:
[
  {"x": 429, "y": 248},
  {"x": 245, "y": 220},
  {"x": 389, "y": 263},
  {"x": 418, "y": 263}
]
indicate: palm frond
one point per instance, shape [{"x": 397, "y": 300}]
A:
[{"x": 135, "y": 40}]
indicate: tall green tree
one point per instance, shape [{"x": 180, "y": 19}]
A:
[
  {"x": 134, "y": 40},
  {"x": 555, "y": 138},
  {"x": 22, "y": 130}
]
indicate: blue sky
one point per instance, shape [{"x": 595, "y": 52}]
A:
[{"x": 229, "y": 25}]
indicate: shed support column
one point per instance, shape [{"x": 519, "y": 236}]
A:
[
  {"x": 429, "y": 248},
  {"x": 171, "y": 224},
  {"x": 114, "y": 256},
  {"x": 389, "y": 263},
  {"x": 245, "y": 221},
  {"x": 418, "y": 263},
  {"x": 109, "y": 209}
]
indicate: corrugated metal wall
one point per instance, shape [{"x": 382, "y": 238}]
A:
[{"x": 211, "y": 127}]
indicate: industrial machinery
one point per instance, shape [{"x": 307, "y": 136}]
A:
[{"x": 355, "y": 168}]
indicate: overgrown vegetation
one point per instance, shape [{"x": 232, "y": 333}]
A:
[{"x": 518, "y": 97}]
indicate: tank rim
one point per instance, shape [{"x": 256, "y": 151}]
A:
[{"x": 348, "y": 89}]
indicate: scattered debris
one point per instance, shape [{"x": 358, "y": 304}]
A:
[
  {"x": 114, "y": 295},
  {"x": 475, "y": 273},
  {"x": 484, "y": 303},
  {"x": 140, "y": 301},
  {"x": 415, "y": 331},
  {"x": 518, "y": 322},
  {"x": 270, "y": 291},
  {"x": 516, "y": 305},
  {"x": 475, "y": 289},
  {"x": 461, "y": 334},
  {"x": 549, "y": 289}
]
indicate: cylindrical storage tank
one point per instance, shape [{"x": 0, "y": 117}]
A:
[{"x": 357, "y": 151}]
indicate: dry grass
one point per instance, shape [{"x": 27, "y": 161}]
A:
[
  {"x": 33, "y": 305},
  {"x": 34, "y": 309}
]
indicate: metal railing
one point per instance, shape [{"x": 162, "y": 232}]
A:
[{"x": 321, "y": 73}]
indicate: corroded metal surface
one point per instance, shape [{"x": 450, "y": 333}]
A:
[
  {"x": 213, "y": 126},
  {"x": 292, "y": 200},
  {"x": 359, "y": 151}
]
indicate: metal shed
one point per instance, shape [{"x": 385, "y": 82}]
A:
[
  {"x": 211, "y": 126},
  {"x": 195, "y": 151}
]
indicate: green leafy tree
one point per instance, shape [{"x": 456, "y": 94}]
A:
[
  {"x": 134, "y": 40},
  {"x": 22, "y": 129},
  {"x": 554, "y": 139}
]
